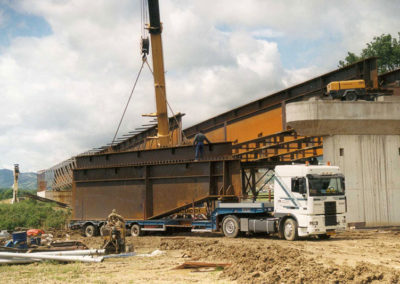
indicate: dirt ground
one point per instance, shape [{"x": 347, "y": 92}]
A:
[{"x": 359, "y": 256}]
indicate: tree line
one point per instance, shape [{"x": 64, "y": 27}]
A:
[
  {"x": 7, "y": 193},
  {"x": 385, "y": 47}
]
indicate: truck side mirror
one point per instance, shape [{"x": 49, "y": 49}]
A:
[{"x": 343, "y": 184}]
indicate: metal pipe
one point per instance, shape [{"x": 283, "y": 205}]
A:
[
  {"x": 38, "y": 256},
  {"x": 73, "y": 252}
]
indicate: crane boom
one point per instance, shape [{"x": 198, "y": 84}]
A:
[{"x": 155, "y": 29}]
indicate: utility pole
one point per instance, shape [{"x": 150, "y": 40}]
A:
[{"x": 15, "y": 186}]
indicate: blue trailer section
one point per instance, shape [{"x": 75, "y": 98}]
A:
[
  {"x": 243, "y": 211},
  {"x": 238, "y": 209},
  {"x": 155, "y": 225}
]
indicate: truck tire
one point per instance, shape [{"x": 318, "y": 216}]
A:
[
  {"x": 290, "y": 229},
  {"x": 90, "y": 231},
  {"x": 323, "y": 237},
  {"x": 351, "y": 96},
  {"x": 230, "y": 226},
  {"x": 136, "y": 231}
]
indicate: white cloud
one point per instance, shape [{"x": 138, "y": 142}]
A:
[
  {"x": 3, "y": 19},
  {"x": 64, "y": 93},
  {"x": 266, "y": 33}
]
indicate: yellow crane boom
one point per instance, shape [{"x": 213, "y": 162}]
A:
[{"x": 155, "y": 29}]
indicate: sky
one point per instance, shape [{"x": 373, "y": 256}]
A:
[{"x": 67, "y": 66}]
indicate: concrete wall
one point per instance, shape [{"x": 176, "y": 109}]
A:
[
  {"x": 330, "y": 117},
  {"x": 363, "y": 139},
  {"x": 371, "y": 164}
]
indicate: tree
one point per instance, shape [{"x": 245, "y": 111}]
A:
[{"x": 385, "y": 47}]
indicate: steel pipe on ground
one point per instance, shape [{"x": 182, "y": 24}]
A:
[
  {"x": 39, "y": 256},
  {"x": 73, "y": 252}
]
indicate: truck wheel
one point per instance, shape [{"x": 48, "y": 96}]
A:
[
  {"x": 101, "y": 230},
  {"x": 351, "y": 96},
  {"x": 323, "y": 237},
  {"x": 90, "y": 231},
  {"x": 136, "y": 231},
  {"x": 290, "y": 229},
  {"x": 230, "y": 226}
]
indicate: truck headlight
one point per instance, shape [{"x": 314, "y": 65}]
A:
[{"x": 315, "y": 223}]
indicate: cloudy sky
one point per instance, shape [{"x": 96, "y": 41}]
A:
[{"x": 67, "y": 66}]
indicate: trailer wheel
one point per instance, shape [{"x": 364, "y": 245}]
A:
[
  {"x": 101, "y": 230},
  {"x": 136, "y": 231},
  {"x": 290, "y": 229},
  {"x": 230, "y": 226},
  {"x": 351, "y": 96},
  {"x": 90, "y": 231}
]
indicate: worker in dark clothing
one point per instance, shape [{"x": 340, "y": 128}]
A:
[{"x": 199, "y": 143}]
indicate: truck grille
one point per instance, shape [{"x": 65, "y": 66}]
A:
[
  {"x": 330, "y": 208},
  {"x": 330, "y": 220},
  {"x": 330, "y": 213}
]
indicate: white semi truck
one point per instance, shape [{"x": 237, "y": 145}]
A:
[{"x": 308, "y": 200}]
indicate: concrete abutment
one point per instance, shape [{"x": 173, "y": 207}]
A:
[{"x": 363, "y": 138}]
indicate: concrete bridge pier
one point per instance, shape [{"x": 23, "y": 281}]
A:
[{"x": 363, "y": 139}]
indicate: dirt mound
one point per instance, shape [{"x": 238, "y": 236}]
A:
[{"x": 273, "y": 263}]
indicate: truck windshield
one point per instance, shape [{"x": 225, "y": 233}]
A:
[{"x": 325, "y": 185}]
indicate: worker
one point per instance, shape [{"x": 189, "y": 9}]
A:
[
  {"x": 199, "y": 143},
  {"x": 114, "y": 217}
]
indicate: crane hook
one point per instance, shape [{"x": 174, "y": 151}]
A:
[{"x": 145, "y": 46}]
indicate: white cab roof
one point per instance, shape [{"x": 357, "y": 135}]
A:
[{"x": 303, "y": 170}]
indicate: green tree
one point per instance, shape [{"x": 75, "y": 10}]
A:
[
  {"x": 385, "y": 47},
  {"x": 32, "y": 214},
  {"x": 7, "y": 193}
]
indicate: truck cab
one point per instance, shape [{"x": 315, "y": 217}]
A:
[{"x": 309, "y": 200}]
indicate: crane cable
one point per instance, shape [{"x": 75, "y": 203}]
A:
[
  {"x": 130, "y": 96},
  {"x": 170, "y": 108}
]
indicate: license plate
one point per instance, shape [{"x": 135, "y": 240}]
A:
[{"x": 332, "y": 233}]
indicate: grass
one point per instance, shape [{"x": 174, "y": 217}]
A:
[{"x": 45, "y": 270}]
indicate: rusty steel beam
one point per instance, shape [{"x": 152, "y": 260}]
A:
[
  {"x": 365, "y": 69},
  {"x": 277, "y": 148},
  {"x": 390, "y": 79},
  {"x": 280, "y": 149},
  {"x": 57, "y": 178},
  {"x": 35, "y": 197},
  {"x": 146, "y": 191},
  {"x": 160, "y": 155}
]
